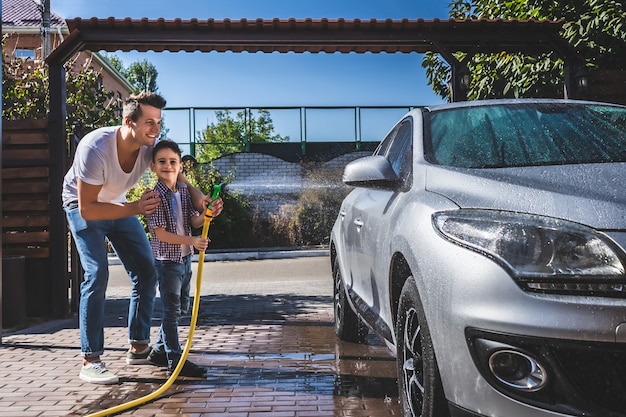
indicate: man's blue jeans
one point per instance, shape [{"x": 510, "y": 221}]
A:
[
  {"x": 129, "y": 240},
  {"x": 171, "y": 275}
]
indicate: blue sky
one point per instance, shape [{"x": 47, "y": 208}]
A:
[
  {"x": 246, "y": 79},
  {"x": 237, "y": 80}
]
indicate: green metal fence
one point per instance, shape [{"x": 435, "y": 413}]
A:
[{"x": 299, "y": 124}]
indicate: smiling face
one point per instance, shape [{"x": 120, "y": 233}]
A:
[
  {"x": 167, "y": 165},
  {"x": 147, "y": 127}
]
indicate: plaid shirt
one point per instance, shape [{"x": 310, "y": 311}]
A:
[{"x": 164, "y": 217}]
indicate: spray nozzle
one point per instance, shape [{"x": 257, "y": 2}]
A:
[{"x": 216, "y": 190}]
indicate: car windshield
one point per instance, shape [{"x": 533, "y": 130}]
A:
[{"x": 525, "y": 134}]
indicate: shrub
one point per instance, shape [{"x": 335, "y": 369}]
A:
[
  {"x": 309, "y": 221},
  {"x": 146, "y": 182}
]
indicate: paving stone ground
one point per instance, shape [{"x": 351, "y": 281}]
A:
[{"x": 264, "y": 332}]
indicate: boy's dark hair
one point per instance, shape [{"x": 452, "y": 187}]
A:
[
  {"x": 166, "y": 144},
  {"x": 132, "y": 105}
]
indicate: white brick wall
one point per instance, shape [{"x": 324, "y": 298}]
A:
[
  {"x": 269, "y": 182},
  {"x": 253, "y": 166}
]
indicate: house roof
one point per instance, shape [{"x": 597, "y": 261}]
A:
[
  {"x": 24, "y": 17},
  {"x": 309, "y": 35},
  {"x": 26, "y": 14}
]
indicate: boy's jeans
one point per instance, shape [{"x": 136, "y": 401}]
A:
[
  {"x": 171, "y": 275},
  {"x": 185, "y": 298},
  {"x": 129, "y": 240}
]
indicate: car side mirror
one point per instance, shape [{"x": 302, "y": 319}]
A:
[{"x": 371, "y": 172}]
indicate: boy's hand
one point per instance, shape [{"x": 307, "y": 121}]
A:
[
  {"x": 216, "y": 206},
  {"x": 200, "y": 243}
]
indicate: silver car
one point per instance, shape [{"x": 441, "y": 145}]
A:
[{"x": 485, "y": 243}]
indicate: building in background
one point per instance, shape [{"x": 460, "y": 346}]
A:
[{"x": 30, "y": 32}]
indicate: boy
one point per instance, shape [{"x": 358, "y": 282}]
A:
[{"x": 171, "y": 240}]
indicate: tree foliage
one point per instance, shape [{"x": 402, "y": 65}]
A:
[
  {"x": 231, "y": 134},
  {"x": 141, "y": 74},
  {"x": 115, "y": 62},
  {"x": 25, "y": 94},
  {"x": 595, "y": 28},
  {"x": 24, "y": 89}
]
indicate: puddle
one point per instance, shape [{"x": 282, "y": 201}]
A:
[{"x": 290, "y": 348}]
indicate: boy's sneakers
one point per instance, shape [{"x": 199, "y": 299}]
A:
[
  {"x": 189, "y": 369},
  {"x": 157, "y": 358},
  {"x": 138, "y": 358},
  {"x": 97, "y": 373}
]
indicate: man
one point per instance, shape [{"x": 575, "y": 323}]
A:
[{"x": 108, "y": 162}]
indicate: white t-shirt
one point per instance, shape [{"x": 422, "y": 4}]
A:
[
  {"x": 96, "y": 163},
  {"x": 180, "y": 227}
]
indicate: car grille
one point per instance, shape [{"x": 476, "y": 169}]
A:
[{"x": 598, "y": 373}]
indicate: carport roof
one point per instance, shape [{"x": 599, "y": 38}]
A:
[{"x": 312, "y": 35}]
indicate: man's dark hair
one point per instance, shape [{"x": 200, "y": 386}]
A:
[
  {"x": 166, "y": 144},
  {"x": 132, "y": 105}
]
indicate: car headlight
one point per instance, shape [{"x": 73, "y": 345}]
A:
[{"x": 541, "y": 251}]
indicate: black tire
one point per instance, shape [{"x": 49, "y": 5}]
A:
[
  {"x": 419, "y": 381},
  {"x": 348, "y": 326}
]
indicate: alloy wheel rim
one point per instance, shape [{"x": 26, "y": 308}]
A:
[
  {"x": 338, "y": 308},
  {"x": 413, "y": 364}
]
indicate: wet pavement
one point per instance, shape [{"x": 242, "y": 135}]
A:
[{"x": 265, "y": 333}]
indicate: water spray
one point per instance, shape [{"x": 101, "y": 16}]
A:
[{"x": 208, "y": 217}]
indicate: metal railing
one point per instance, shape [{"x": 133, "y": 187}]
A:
[{"x": 337, "y": 124}]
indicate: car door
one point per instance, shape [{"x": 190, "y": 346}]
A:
[{"x": 370, "y": 223}]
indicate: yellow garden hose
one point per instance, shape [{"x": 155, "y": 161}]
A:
[{"x": 208, "y": 217}]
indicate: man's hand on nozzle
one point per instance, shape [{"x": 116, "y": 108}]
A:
[{"x": 148, "y": 202}]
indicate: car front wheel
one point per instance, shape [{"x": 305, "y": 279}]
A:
[
  {"x": 419, "y": 382},
  {"x": 348, "y": 326}
]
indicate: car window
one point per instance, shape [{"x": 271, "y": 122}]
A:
[
  {"x": 527, "y": 134},
  {"x": 384, "y": 145},
  {"x": 400, "y": 153}
]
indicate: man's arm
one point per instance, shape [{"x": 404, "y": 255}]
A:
[
  {"x": 197, "y": 221},
  {"x": 92, "y": 209}
]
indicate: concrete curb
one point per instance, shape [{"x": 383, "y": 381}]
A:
[{"x": 249, "y": 254}]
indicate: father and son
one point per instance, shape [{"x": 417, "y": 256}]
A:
[{"x": 108, "y": 162}]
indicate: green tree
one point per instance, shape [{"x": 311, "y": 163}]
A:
[
  {"x": 143, "y": 75},
  {"x": 25, "y": 94},
  {"x": 115, "y": 62},
  {"x": 24, "y": 89},
  {"x": 230, "y": 133},
  {"x": 595, "y": 28},
  {"x": 89, "y": 104}
]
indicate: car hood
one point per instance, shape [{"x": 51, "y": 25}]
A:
[{"x": 592, "y": 194}]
